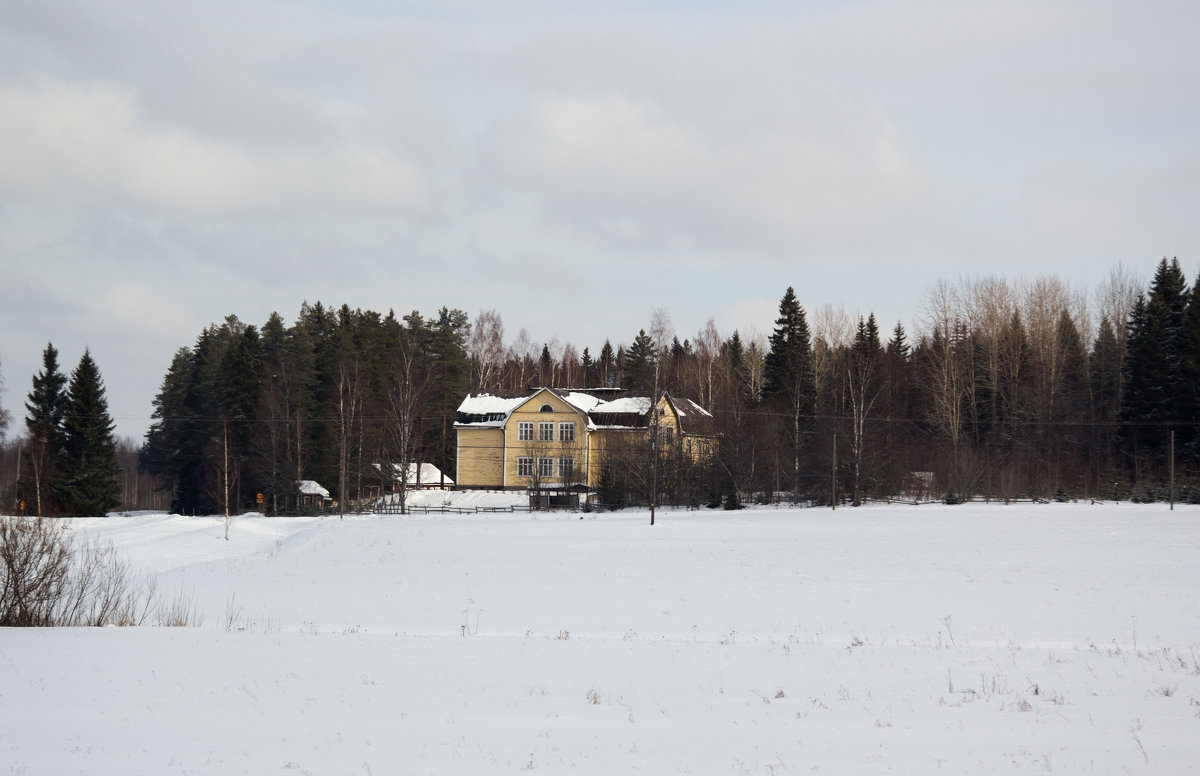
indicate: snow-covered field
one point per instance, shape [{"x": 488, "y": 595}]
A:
[{"x": 932, "y": 639}]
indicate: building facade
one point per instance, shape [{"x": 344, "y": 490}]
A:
[{"x": 562, "y": 440}]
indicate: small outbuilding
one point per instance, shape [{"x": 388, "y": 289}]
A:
[{"x": 312, "y": 495}]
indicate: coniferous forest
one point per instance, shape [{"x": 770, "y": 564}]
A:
[{"x": 1004, "y": 390}]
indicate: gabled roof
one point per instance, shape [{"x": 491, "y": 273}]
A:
[
  {"x": 312, "y": 488},
  {"x": 692, "y": 418},
  {"x": 488, "y": 411}
]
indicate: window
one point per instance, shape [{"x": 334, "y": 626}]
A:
[
  {"x": 524, "y": 467},
  {"x": 546, "y": 431},
  {"x": 566, "y": 432},
  {"x": 545, "y": 467},
  {"x": 525, "y": 431},
  {"x": 546, "y": 408},
  {"x": 566, "y": 469}
]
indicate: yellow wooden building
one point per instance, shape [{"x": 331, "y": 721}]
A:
[{"x": 557, "y": 440}]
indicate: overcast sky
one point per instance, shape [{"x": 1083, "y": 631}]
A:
[{"x": 572, "y": 164}]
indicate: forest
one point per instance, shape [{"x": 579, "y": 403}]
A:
[{"x": 1004, "y": 390}]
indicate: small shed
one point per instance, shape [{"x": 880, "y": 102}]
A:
[{"x": 313, "y": 495}]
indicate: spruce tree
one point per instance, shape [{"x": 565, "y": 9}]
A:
[
  {"x": 606, "y": 366},
  {"x": 1155, "y": 392},
  {"x": 46, "y": 406},
  {"x": 175, "y": 444},
  {"x": 90, "y": 482},
  {"x": 638, "y": 369},
  {"x": 790, "y": 380},
  {"x": 1105, "y": 373}
]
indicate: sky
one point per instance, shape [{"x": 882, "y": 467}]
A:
[{"x": 573, "y": 165}]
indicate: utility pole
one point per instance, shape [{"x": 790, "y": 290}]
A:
[
  {"x": 225, "y": 441},
  {"x": 1172, "y": 470},
  {"x": 833, "y": 475}
]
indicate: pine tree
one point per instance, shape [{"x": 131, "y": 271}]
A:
[
  {"x": 790, "y": 380},
  {"x": 863, "y": 385},
  {"x": 1105, "y": 373},
  {"x": 175, "y": 443},
  {"x": 1155, "y": 388},
  {"x": 588, "y": 366},
  {"x": 1189, "y": 392},
  {"x": 90, "y": 482},
  {"x": 46, "y": 406},
  {"x": 789, "y": 367},
  {"x": 452, "y": 372},
  {"x": 546, "y": 368},
  {"x": 606, "y": 366},
  {"x": 638, "y": 370}
]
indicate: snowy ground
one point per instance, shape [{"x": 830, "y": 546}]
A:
[{"x": 969, "y": 639}]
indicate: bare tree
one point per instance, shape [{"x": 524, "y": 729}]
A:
[
  {"x": 572, "y": 372},
  {"x": 661, "y": 332},
  {"x": 1115, "y": 298},
  {"x": 945, "y": 330},
  {"x": 989, "y": 307},
  {"x": 486, "y": 348},
  {"x": 521, "y": 353},
  {"x": 708, "y": 352}
]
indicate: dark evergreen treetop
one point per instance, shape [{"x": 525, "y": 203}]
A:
[
  {"x": 788, "y": 368},
  {"x": 638, "y": 369},
  {"x": 89, "y": 484},
  {"x": 898, "y": 344},
  {"x": 866, "y": 337},
  {"x": 47, "y": 402}
]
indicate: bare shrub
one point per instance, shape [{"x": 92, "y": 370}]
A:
[
  {"x": 47, "y": 578},
  {"x": 35, "y": 565}
]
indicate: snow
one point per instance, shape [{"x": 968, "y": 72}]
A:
[
  {"x": 428, "y": 474},
  {"x": 885, "y": 639},
  {"x": 629, "y": 404},
  {"x": 487, "y": 404},
  {"x": 585, "y": 402},
  {"x": 312, "y": 488}
]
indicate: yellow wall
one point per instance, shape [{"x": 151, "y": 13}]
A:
[
  {"x": 480, "y": 457},
  {"x": 487, "y": 457},
  {"x": 561, "y": 413}
]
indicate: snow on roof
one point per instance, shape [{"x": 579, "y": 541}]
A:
[
  {"x": 690, "y": 406},
  {"x": 429, "y": 473},
  {"x": 487, "y": 404},
  {"x": 312, "y": 488},
  {"x": 630, "y": 404},
  {"x": 583, "y": 401}
]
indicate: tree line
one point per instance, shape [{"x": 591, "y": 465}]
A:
[
  {"x": 339, "y": 397},
  {"x": 67, "y": 462},
  {"x": 1004, "y": 389}
]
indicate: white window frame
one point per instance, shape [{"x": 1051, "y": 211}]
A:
[
  {"x": 545, "y": 468},
  {"x": 545, "y": 431},
  {"x": 524, "y": 466},
  {"x": 566, "y": 432},
  {"x": 566, "y": 469},
  {"x": 525, "y": 431}
]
